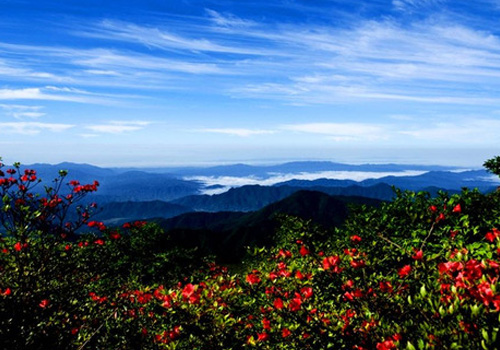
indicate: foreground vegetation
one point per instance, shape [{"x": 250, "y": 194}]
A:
[{"x": 416, "y": 273}]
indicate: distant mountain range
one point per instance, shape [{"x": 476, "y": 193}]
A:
[
  {"x": 243, "y": 170},
  {"x": 128, "y": 193}
]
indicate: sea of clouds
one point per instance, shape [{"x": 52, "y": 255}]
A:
[{"x": 220, "y": 184}]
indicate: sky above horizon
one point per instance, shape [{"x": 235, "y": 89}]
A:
[{"x": 159, "y": 83}]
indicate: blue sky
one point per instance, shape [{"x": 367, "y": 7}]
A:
[{"x": 138, "y": 83}]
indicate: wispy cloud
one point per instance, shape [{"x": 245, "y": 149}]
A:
[
  {"x": 33, "y": 128},
  {"x": 108, "y": 59},
  {"x": 228, "y": 20},
  {"x": 52, "y": 94},
  {"x": 22, "y": 111},
  {"x": 162, "y": 38},
  {"x": 341, "y": 131},
  {"x": 238, "y": 131},
  {"x": 118, "y": 127},
  {"x": 471, "y": 130},
  {"x": 439, "y": 60},
  {"x": 406, "y": 5}
]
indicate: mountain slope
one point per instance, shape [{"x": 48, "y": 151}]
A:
[
  {"x": 225, "y": 234},
  {"x": 255, "y": 197},
  {"x": 116, "y": 213}
]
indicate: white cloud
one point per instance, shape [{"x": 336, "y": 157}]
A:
[
  {"x": 32, "y": 128},
  {"x": 51, "y": 94},
  {"x": 162, "y": 38},
  {"x": 11, "y": 69},
  {"x": 238, "y": 132},
  {"x": 231, "y": 181},
  {"x": 113, "y": 61},
  {"x": 102, "y": 72},
  {"x": 341, "y": 131},
  {"x": 414, "y": 4},
  {"x": 229, "y": 20},
  {"x": 21, "y": 111},
  {"x": 88, "y": 136},
  {"x": 473, "y": 131},
  {"x": 118, "y": 127}
]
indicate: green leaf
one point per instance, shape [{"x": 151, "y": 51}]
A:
[
  {"x": 423, "y": 292},
  {"x": 484, "y": 333},
  {"x": 410, "y": 346}
]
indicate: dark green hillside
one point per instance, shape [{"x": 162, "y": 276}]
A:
[
  {"x": 116, "y": 213},
  {"x": 379, "y": 191},
  {"x": 202, "y": 220},
  {"x": 225, "y": 234}
]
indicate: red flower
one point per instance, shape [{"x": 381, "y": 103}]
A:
[
  {"x": 419, "y": 254},
  {"x": 357, "y": 264},
  {"x": 6, "y": 292},
  {"x": 492, "y": 235},
  {"x": 188, "y": 291},
  {"x": 266, "y": 324},
  {"x": 99, "y": 242},
  {"x": 404, "y": 271},
  {"x": 114, "y": 235},
  {"x": 348, "y": 296},
  {"x": 285, "y": 333},
  {"x": 307, "y": 292},
  {"x": 304, "y": 251},
  {"x": 386, "y": 287},
  {"x": 355, "y": 239},
  {"x": 433, "y": 208},
  {"x": 252, "y": 278},
  {"x": 457, "y": 208},
  {"x": 262, "y": 336},
  {"x": 278, "y": 304},
  {"x": 330, "y": 261},
  {"x": 44, "y": 303},
  {"x": 386, "y": 345},
  {"x": 295, "y": 304},
  {"x": 18, "y": 246}
]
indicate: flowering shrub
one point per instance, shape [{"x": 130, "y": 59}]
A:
[{"x": 416, "y": 273}]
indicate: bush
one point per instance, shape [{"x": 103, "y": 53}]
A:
[{"x": 416, "y": 273}]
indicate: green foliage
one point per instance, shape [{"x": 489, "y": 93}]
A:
[
  {"x": 493, "y": 165},
  {"x": 415, "y": 273}
]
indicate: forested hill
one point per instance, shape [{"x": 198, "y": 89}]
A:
[{"x": 225, "y": 234}]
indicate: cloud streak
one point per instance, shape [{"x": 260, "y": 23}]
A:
[
  {"x": 117, "y": 127},
  {"x": 341, "y": 131},
  {"x": 238, "y": 131},
  {"x": 33, "y": 128}
]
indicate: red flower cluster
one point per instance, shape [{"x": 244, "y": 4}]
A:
[
  {"x": 472, "y": 279},
  {"x": 100, "y": 225},
  {"x": 135, "y": 224},
  {"x": 332, "y": 262},
  {"x": 252, "y": 278},
  {"x": 77, "y": 188},
  {"x": 492, "y": 235}
]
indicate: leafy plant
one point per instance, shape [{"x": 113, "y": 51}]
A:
[{"x": 416, "y": 273}]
